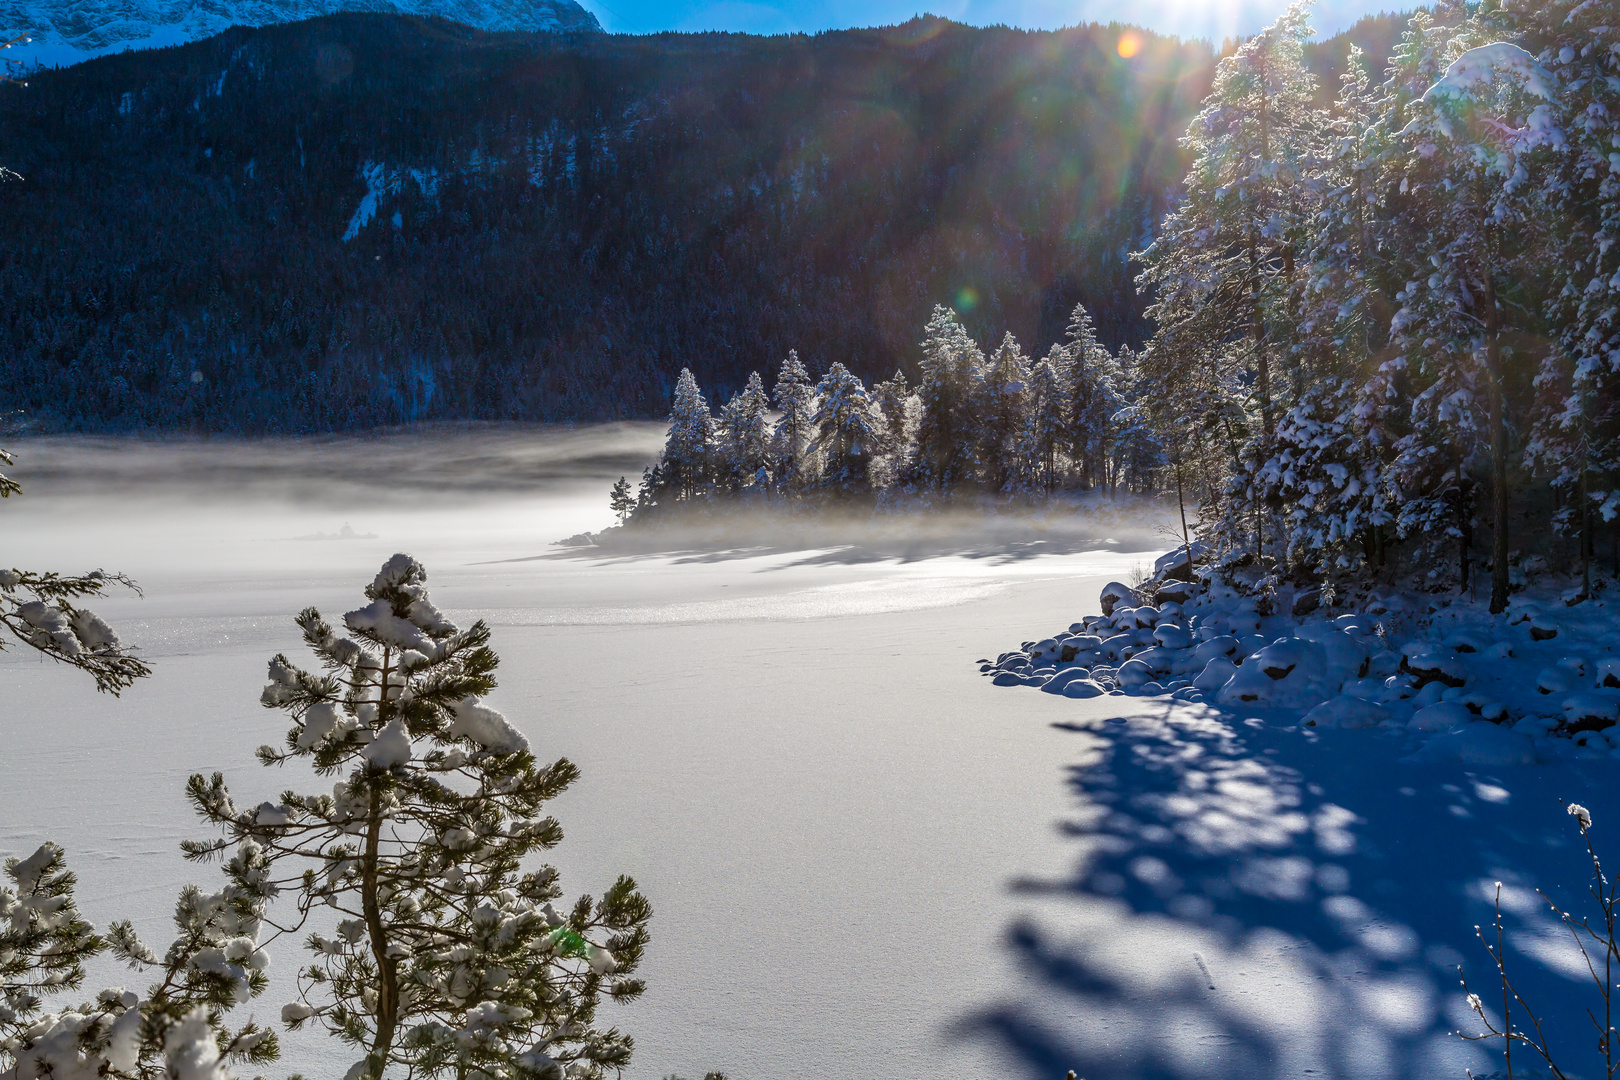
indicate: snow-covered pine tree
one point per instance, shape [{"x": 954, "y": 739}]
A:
[
  {"x": 795, "y": 400},
  {"x": 1333, "y": 464},
  {"x": 1137, "y": 450},
  {"x": 895, "y": 402},
  {"x": 1093, "y": 398},
  {"x": 1577, "y": 434},
  {"x": 40, "y": 610},
  {"x": 847, "y": 431},
  {"x": 620, "y": 501},
  {"x": 1224, "y": 263},
  {"x": 688, "y": 459},
  {"x": 1046, "y": 418},
  {"x": 176, "y": 1030},
  {"x": 1327, "y": 469},
  {"x": 943, "y": 456},
  {"x": 449, "y": 958},
  {"x": 743, "y": 436},
  {"x": 1002, "y": 398},
  {"x": 647, "y": 495},
  {"x": 1470, "y": 146}
]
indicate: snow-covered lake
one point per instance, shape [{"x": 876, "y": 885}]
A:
[{"x": 865, "y": 861}]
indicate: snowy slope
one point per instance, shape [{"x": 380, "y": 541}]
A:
[{"x": 67, "y": 31}]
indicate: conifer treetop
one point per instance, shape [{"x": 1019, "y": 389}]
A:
[{"x": 449, "y": 957}]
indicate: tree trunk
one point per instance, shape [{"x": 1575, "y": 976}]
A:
[
  {"x": 1186, "y": 539},
  {"x": 388, "y": 990},
  {"x": 1262, "y": 366},
  {"x": 387, "y": 1014},
  {"x": 1465, "y": 525},
  {"x": 1499, "y": 489},
  {"x": 1586, "y": 532}
]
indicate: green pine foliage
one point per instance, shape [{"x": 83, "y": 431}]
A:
[
  {"x": 177, "y": 1027},
  {"x": 40, "y": 610}
]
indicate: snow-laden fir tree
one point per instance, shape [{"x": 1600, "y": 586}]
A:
[
  {"x": 448, "y": 958},
  {"x": 1046, "y": 418},
  {"x": 1002, "y": 401},
  {"x": 1224, "y": 263},
  {"x": 943, "y": 457},
  {"x": 41, "y": 610},
  {"x": 1470, "y": 200},
  {"x": 795, "y": 400},
  {"x": 1577, "y": 432},
  {"x": 847, "y": 431},
  {"x": 895, "y": 401},
  {"x": 1092, "y": 390},
  {"x": 743, "y": 437},
  {"x": 688, "y": 459}
]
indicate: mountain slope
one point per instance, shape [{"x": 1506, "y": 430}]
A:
[
  {"x": 362, "y": 220},
  {"x": 67, "y": 31}
]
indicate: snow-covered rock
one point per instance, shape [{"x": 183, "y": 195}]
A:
[
  {"x": 1441, "y": 716},
  {"x": 1608, "y": 671},
  {"x": 1177, "y": 592},
  {"x": 1134, "y": 673},
  {"x": 1285, "y": 655},
  {"x": 1348, "y": 713},
  {"x": 1430, "y": 662},
  {"x": 1083, "y": 688},
  {"x": 1554, "y": 680},
  {"x": 1590, "y": 711},
  {"x": 1114, "y": 594},
  {"x": 1224, "y": 646},
  {"x": 1172, "y": 636},
  {"x": 1216, "y": 674},
  {"x": 1065, "y": 676}
]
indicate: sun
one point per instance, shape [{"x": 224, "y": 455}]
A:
[{"x": 1129, "y": 45}]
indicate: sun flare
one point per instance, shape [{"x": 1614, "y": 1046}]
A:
[{"x": 1129, "y": 45}]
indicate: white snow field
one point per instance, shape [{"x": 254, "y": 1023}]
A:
[{"x": 865, "y": 860}]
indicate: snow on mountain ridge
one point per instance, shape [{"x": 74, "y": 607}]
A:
[{"x": 67, "y": 31}]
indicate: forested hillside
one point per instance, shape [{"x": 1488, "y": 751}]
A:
[{"x": 363, "y": 220}]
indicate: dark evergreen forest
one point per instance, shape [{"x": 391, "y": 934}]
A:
[{"x": 367, "y": 220}]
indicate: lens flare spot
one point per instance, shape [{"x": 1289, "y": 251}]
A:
[
  {"x": 967, "y": 298},
  {"x": 1129, "y": 45}
]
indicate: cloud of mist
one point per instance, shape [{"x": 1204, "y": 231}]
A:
[{"x": 453, "y": 462}]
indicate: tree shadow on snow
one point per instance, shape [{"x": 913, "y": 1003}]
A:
[
  {"x": 834, "y": 541},
  {"x": 1253, "y": 900}
]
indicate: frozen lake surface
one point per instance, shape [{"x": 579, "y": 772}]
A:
[{"x": 865, "y": 861}]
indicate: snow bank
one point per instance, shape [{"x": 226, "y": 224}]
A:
[{"x": 1467, "y": 686}]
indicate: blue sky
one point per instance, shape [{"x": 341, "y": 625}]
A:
[{"x": 1188, "y": 18}]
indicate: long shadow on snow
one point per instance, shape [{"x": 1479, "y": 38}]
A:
[
  {"x": 846, "y": 547},
  {"x": 1252, "y": 900}
]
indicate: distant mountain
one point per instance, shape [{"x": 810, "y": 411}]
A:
[
  {"x": 362, "y": 219},
  {"x": 68, "y": 31}
]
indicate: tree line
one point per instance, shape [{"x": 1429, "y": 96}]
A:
[{"x": 999, "y": 422}]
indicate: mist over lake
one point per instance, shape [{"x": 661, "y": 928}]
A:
[{"x": 789, "y": 749}]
